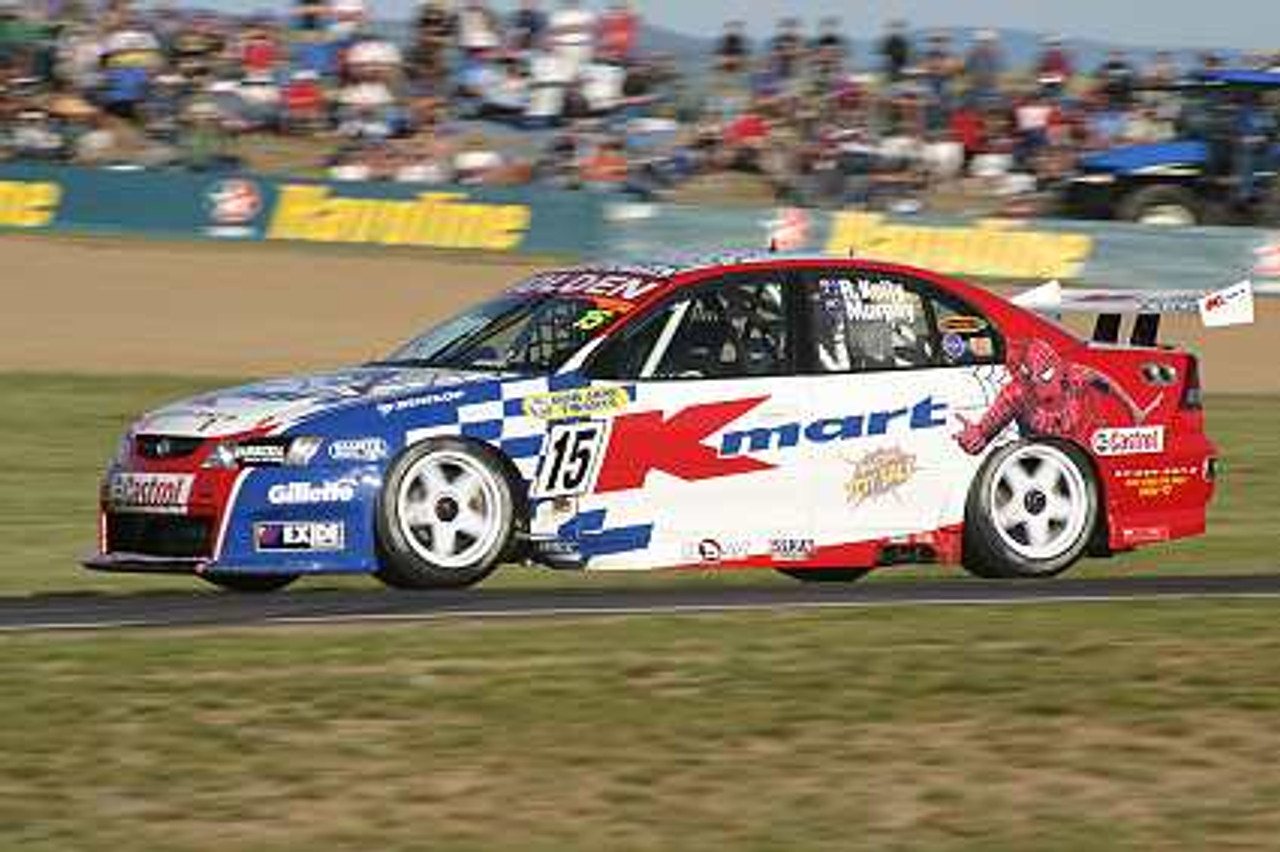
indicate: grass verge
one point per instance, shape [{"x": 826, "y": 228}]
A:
[
  {"x": 1095, "y": 727},
  {"x": 57, "y": 432}
]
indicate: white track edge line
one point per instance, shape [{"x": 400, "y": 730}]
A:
[{"x": 674, "y": 609}]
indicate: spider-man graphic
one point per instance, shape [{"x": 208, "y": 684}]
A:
[{"x": 1046, "y": 396}]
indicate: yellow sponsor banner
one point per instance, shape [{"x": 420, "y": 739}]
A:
[
  {"x": 990, "y": 248},
  {"x": 28, "y": 204},
  {"x": 433, "y": 219},
  {"x": 579, "y": 402}
]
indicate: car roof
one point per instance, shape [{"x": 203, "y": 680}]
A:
[
  {"x": 674, "y": 274},
  {"x": 684, "y": 269}
]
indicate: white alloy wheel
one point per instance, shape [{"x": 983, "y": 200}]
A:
[
  {"x": 449, "y": 509},
  {"x": 1041, "y": 503}
]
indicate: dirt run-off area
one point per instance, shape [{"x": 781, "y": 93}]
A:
[{"x": 99, "y": 305}]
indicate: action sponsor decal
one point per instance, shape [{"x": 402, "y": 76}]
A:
[
  {"x": 435, "y": 219},
  {"x": 400, "y": 405},
  {"x": 28, "y": 204},
  {"x": 371, "y": 449},
  {"x": 150, "y": 492},
  {"x": 1049, "y": 396},
  {"x": 579, "y": 402},
  {"x": 879, "y": 473},
  {"x": 1156, "y": 483},
  {"x": 676, "y": 444},
  {"x": 310, "y": 493},
  {"x": 260, "y": 454},
  {"x": 791, "y": 549},
  {"x": 713, "y": 551},
  {"x": 868, "y": 300},
  {"x": 923, "y": 415},
  {"x": 1232, "y": 306},
  {"x": 954, "y": 346},
  {"x": 963, "y": 325},
  {"x": 299, "y": 536},
  {"x": 596, "y": 319},
  {"x": 1129, "y": 441},
  {"x": 623, "y": 288}
]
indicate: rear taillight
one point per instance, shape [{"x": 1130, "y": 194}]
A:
[{"x": 1191, "y": 396}]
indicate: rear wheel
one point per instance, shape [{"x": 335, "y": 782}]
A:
[
  {"x": 1166, "y": 205},
  {"x": 1031, "y": 512},
  {"x": 250, "y": 583},
  {"x": 446, "y": 516},
  {"x": 826, "y": 575}
]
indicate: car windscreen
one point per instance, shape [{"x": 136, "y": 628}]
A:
[{"x": 513, "y": 333}]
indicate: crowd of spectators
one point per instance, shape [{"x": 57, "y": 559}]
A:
[{"x": 565, "y": 96}]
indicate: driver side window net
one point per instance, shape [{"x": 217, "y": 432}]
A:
[
  {"x": 733, "y": 330},
  {"x": 868, "y": 323}
]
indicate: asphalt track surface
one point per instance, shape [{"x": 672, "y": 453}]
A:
[{"x": 303, "y": 607}]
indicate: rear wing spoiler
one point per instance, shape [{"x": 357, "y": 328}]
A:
[{"x": 1217, "y": 309}]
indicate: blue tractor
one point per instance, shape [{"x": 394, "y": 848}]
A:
[{"x": 1224, "y": 167}]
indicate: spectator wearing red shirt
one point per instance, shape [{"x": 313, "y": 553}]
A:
[
  {"x": 1055, "y": 68},
  {"x": 259, "y": 52},
  {"x": 969, "y": 129},
  {"x": 744, "y": 138},
  {"x": 616, "y": 40},
  {"x": 304, "y": 106}
]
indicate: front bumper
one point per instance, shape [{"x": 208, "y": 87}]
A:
[
  {"x": 256, "y": 520},
  {"x": 141, "y": 563}
]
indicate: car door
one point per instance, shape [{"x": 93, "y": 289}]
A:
[
  {"x": 898, "y": 367},
  {"x": 708, "y": 454}
]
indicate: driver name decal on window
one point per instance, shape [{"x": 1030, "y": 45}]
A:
[
  {"x": 867, "y": 324},
  {"x": 866, "y": 300}
]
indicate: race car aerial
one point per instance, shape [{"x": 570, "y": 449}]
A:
[{"x": 817, "y": 416}]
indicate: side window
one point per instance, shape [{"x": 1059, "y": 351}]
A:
[
  {"x": 732, "y": 328},
  {"x": 965, "y": 336},
  {"x": 623, "y": 356},
  {"x": 867, "y": 322}
]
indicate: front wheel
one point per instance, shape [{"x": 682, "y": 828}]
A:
[
  {"x": 1032, "y": 511},
  {"x": 446, "y": 516}
]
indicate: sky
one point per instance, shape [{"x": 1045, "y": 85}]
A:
[
  {"x": 1241, "y": 24},
  {"x": 1244, "y": 24}
]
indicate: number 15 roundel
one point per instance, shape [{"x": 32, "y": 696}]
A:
[{"x": 572, "y": 460}]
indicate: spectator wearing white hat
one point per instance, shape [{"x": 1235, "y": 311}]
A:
[{"x": 571, "y": 34}]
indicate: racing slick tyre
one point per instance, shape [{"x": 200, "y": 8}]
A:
[
  {"x": 250, "y": 583},
  {"x": 1163, "y": 204},
  {"x": 446, "y": 516},
  {"x": 825, "y": 575},
  {"x": 1031, "y": 511}
]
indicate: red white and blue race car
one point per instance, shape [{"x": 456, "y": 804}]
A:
[{"x": 816, "y": 416}]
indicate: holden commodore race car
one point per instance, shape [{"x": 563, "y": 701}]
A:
[{"x": 816, "y": 416}]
